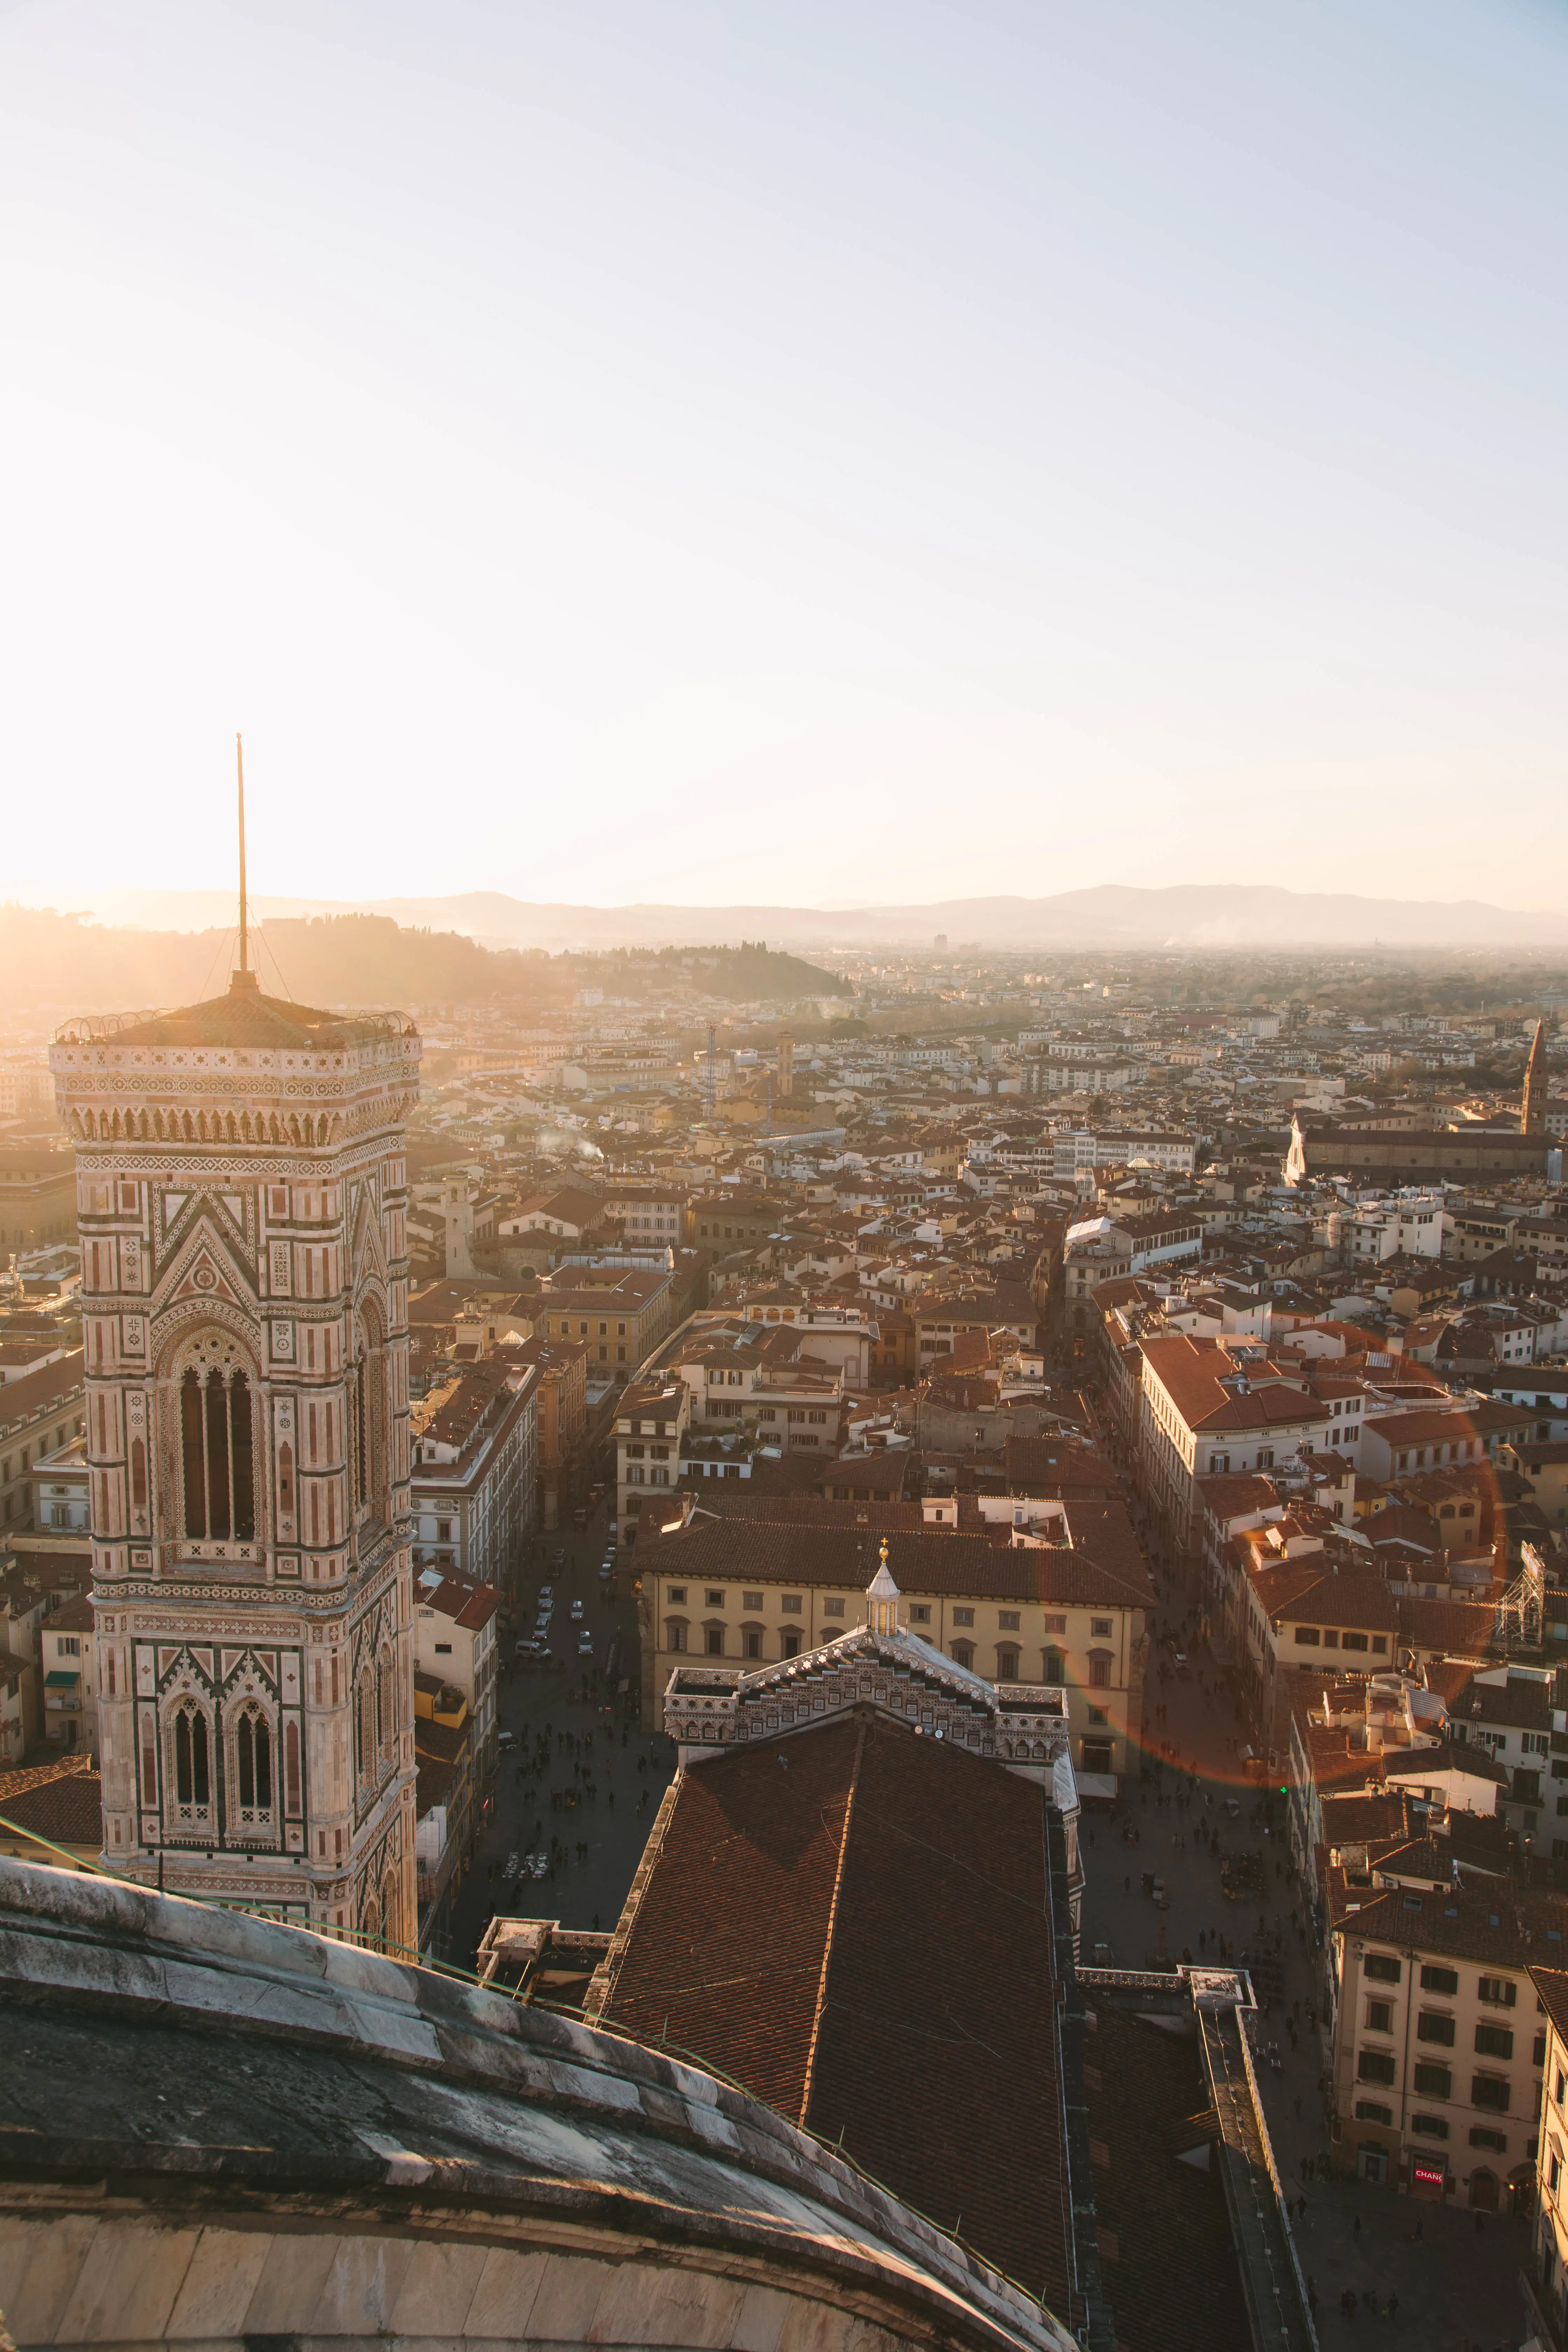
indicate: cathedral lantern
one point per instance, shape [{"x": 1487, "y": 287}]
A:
[{"x": 241, "y": 1192}]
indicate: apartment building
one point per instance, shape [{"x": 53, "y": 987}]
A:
[
  {"x": 844, "y": 1336},
  {"x": 69, "y": 1667},
  {"x": 38, "y": 1198},
  {"x": 1440, "y": 2034},
  {"x": 1214, "y": 1408},
  {"x": 1508, "y": 1710},
  {"x": 1107, "y": 1249},
  {"x": 1428, "y": 1437},
  {"x": 560, "y": 1368},
  {"x": 61, "y": 1495},
  {"x": 1073, "y": 1614},
  {"x": 567, "y": 1214},
  {"x": 621, "y": 1313},
  {"x": 736, "y": 1218},
  {"x": 941, "y": 1317},
  {"x": 651, "y": 1423},
  {"x": 651, "y": 1218},
  {"x": 457, "y": 1626},
  {"x": 474, "y": 1472},
  {"x": 40, "y": 1410},
  {"x": 764, "y": 1382},
  {"x": 1545, "y": 2274}
]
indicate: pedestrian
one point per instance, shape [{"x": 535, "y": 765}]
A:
[
  {"x": 1355, "y": 2228},
  {"x": 1394, "y": 2306},
  {"x": 1420, "y": 2228}
]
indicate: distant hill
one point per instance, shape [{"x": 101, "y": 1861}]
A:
[
  {"x": 1196, "y": 914},
  {"x": 57, "y": 963}
]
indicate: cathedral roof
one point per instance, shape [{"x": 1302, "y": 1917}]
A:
[
  {"x": 856, "y": 1925},
  {"x": 243, "y": 1016},
  {"x": 308, "y": 2141}
]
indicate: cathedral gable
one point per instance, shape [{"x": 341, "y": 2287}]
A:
[
  {"x": 203, "y": 1264},
  {"x": 228, "y": 1215},
  {"x": 365, "y": 1253}
]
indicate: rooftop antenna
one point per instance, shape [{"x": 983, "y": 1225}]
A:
[{"x": 243, "y": 977}]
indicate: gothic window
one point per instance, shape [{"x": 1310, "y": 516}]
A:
[
  {"x": 188, "y": 1764},
  {"x": 386, "y": 1710},
  {"x": 253, "y": 1763},
  {"x": 367, "y": 1415},
  {"x": 357, "y": 1434},
  {"x": 390, "y": 1907},
  {"x": 216, "y": 1448},
  {"x": 365, "y": 1727}
]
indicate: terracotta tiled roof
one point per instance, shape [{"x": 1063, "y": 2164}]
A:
[
  {"x": 1552, "y": 1984},
  {"x": 853, "y": 1924},
  {"x": 61, "y": 1801},
  {"x": 1498, "y": 1922},
  {"x": 243, "y": 1016},
  {"x": 1305, "y": 1592},
  {"x": 1447, "y": 1624},
  {"x": 468, "y": 1605}
]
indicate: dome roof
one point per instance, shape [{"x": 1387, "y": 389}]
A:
[{"x": 306, "y": 2140}]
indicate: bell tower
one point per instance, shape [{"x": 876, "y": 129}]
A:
[
  {"x": 1532, "y": 1113},
  {"x": 241, "y": 1195}
]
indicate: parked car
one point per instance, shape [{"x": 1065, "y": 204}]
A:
[
  {"x": 577, "y": 1610},
  {"x": 584, "y": 1643},
  {"x": 506, "y": 1739},
  {"x": 546, "y": 1595}
]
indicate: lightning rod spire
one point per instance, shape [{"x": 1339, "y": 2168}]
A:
[{"x": 243, "y": 925}]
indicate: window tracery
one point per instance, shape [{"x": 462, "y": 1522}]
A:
[
  {"x": 217, "y": 1448},
  {"x": 188, "y": 1769}
]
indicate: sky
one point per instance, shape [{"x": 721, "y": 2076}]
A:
[{"x": 843, "y": 452}]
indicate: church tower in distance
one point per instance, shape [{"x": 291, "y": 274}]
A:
[
  {"x": 241, "y": 1192},
  {"x": 1532, "y": 1118}
]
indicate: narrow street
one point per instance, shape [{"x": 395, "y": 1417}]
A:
[
  {"x": 580, "y": 1773},
  {"x": 1453, "y": 2272}
]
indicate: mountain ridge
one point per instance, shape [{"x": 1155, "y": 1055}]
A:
[{"x": 1198, "y": 915}]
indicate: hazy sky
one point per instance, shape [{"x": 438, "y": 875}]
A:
[{"x": 831, "y": 450}]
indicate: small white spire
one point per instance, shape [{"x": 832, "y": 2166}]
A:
[{"x": 883, "y": 1597}]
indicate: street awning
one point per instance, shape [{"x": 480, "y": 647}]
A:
[{"x": 60, "y": 1680}]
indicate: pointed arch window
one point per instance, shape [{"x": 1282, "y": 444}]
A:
[
  {"x": 253, "y": 1759},
  {"x": 188, "y": 1764},
  {"x": 365, "y": 1727},
  {"x": 386, "y": 1711},
  {"x": 216, "y": 1454}
]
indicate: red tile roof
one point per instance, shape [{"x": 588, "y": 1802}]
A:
[{"x": 853, "y": 1924}]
